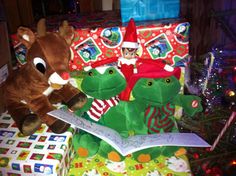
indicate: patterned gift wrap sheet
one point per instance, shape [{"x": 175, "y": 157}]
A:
[
  {"x": 161, "y": 166},
  {"x": 43, "y": 153},
  {"x": 100, "y": 36}
]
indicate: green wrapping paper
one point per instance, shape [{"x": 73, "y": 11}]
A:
[{"x": 161, "y": 166}]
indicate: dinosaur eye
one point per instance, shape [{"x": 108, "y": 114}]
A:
[
  {"x": 111, "y": 71},
  {"x": 40, "y": 64},
  {"x": 149, "y": 83},
  {"x": 167, "y": 80},
  {"x": 90, "y": 73}
]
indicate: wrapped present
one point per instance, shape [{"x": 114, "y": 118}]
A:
[
  {"x": 157, "y": 41},
  {"x": 43, "y": 153},
  {"x": 149, "y": 9},
  {"x": 101, "y": 37},
  {"x": 98, "y": 166}
]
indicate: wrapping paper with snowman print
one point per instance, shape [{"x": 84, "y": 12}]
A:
[
  {"x": 99, "y": 36},
  {"x": 161, "y": 166},
  {"x": 43, "y": 153}
]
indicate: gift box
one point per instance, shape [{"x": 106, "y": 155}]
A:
[
  {"x": 43, "y": 153},
  {"x": 98, "y": 166},
  {"x": 102, "y": 34},
  {"x": 167, "y": 41},
  {"x": 149, "y": 9}
]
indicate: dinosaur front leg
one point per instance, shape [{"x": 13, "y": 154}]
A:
[
  {"x": 190, "y": 103},
  {"x": 135, "y": 121}
]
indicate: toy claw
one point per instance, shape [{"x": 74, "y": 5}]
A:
[{"x": 195, "y": 103}]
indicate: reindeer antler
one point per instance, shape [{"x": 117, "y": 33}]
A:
[
  {"x": 66, "y": 31},
  {"x": 41, "y": 27}
]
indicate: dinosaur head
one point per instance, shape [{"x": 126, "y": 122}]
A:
[
  {"x": 155, "y": 84},
  {"x": 156, "y": 91},
  {"x": 103, "y": 82}
]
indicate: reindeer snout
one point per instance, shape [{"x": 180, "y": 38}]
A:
[
  {"x": 61, "y": 79},
  {"x": 65, "y": 75}
]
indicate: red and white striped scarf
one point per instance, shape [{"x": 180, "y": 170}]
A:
[{"x": 100, "y": 107}]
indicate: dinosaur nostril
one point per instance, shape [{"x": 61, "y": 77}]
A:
[{"x": 65, "y": 75}]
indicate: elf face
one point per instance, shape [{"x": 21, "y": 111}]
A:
[{"x": 129, "y": 53}]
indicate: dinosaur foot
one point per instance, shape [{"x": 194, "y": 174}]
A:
[
  {"x": 144, "y": 158},
  {"x": 180, "y": 152},
  {"x": 114, "y": 156},
  {"x": 85, "y": 145},
  {"x": 83, "y": 152}
]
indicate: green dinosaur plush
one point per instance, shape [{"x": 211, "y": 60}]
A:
[
  {"x": 160, "y": 106},
  {"x": 155, "y": 89},
  {"x": 103, "y": 84}
]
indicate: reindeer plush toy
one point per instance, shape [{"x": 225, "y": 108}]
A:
[{"x": 31, "y": 90}]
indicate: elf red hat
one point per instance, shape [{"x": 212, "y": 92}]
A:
[
  {"x": 130, "y": 38},
  {"x": 154, "y": 69}
]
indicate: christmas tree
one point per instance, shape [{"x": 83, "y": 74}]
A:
[{"x": 214, "y": 80}]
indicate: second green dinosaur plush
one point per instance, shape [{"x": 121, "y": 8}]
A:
[{"x": 156, "y": 92}]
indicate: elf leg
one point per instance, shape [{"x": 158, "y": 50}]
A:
[{"x": 125, "y": 94}]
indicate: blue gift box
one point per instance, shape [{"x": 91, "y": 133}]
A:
[{"x": 143, "y": 10}]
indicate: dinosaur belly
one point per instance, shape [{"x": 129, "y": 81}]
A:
[{"x": 159, "y": 119}]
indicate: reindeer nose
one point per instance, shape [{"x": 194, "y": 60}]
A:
[{"x": 65, "y": 75}]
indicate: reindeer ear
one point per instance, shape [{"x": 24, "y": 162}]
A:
[
  {"x": 67, "y": 32},
  {"x": 41, "y": 27},
  {"x": 26, "y": 36}
]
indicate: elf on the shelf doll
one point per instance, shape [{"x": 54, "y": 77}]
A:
[
  {"x": 129, "y": 47},
  {"x": 127, "y": 62}
]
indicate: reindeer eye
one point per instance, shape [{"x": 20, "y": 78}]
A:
[{"x": 40, "y": 64}]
